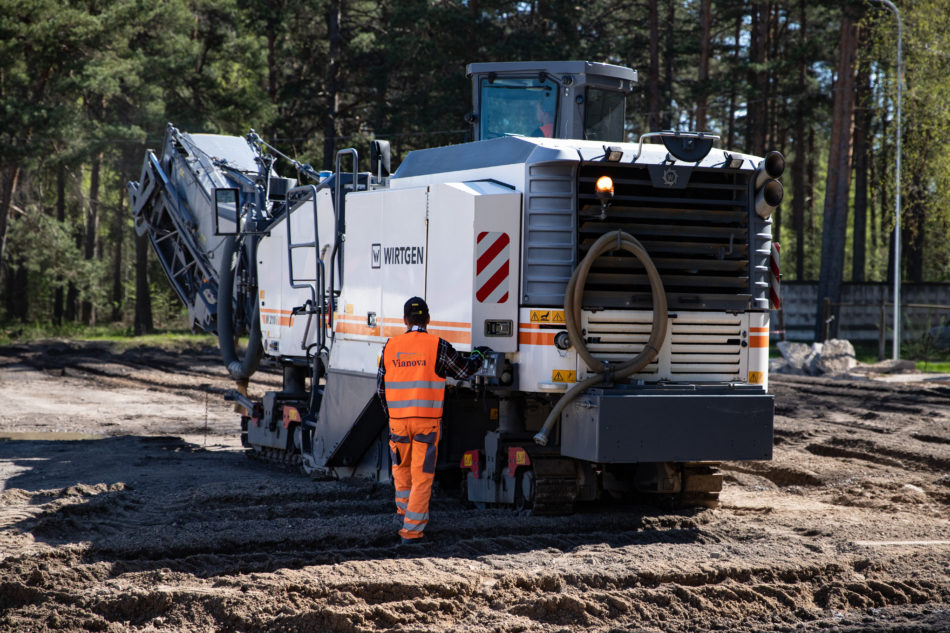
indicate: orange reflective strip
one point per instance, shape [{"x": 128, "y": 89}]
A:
[
  {"x": 452, "y": 336},
  {"x": 758, "y": 329},
  {"x": 394, "y": 320},
  {"x": 536, "y": 338},
  {"x": 450, "y": 324},
  {"x": 284, "y": 318},
  {"x": 390, "y": 331},
  {"x": 758, "y": 341},
  {"x": 347, "y": 327}
]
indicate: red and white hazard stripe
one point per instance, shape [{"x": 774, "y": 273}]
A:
[
  {"x": 492, "y": 267},
  {"x": 775, "y": 278}
]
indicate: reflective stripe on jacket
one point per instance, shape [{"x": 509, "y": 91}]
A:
[{"x": 413, "y": 389}]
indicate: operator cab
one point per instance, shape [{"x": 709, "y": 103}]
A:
[{"x": 568, "y": 99}]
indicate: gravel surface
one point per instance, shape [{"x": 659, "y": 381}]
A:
[{"x": 127, "y": 504}]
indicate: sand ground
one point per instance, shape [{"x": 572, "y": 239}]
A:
[{"x": 127, "y": 504}]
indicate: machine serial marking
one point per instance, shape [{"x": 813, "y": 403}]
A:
[{"x": 406, "y": 255}]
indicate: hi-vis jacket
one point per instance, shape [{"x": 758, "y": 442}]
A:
[{"x": 413, "y": 388}]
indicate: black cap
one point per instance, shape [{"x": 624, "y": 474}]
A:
[{"x": 416, "y": 306}]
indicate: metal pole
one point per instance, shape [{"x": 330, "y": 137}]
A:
[{"x": 897, "y": 193}]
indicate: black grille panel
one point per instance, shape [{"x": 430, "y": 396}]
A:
[{"x": 697, "y": 236}]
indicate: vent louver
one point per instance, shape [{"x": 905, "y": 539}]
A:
[{"x": 698, "y": 237}]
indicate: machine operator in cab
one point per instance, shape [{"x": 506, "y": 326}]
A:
[{"x": 411, "y": 387}]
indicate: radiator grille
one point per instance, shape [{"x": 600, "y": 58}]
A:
[
  {"x": 697, "y": 345},
  {"x": 706, "y": 346},
  {"x": 698, "y": 237},
  {"x": 619, "y": 337}
]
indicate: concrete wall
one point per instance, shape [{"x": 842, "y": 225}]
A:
[{"x": 861, "y": 322}]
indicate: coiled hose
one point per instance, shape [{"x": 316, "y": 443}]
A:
[{"x": 614, "y": 240}]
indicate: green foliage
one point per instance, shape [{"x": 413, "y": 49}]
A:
[
  {"x": 115, "y": 334},
  {"x": 86, "y": 82}
]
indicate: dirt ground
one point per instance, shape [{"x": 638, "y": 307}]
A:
[{"x": 127, "y": 504}]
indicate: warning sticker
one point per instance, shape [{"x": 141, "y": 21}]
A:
[
  {"x": 547, "y": 316},
  {"x": 756, "y": 377},
  {"x": 563, "y": 375}
]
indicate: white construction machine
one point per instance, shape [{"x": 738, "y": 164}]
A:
[{"x": 624, "y": 289}]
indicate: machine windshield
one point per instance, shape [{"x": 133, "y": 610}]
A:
[
  {"x": 523, "y": 106},
  {"x": 603, "y": 118}
]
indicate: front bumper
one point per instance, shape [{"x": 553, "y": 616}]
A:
[{"x": 675, "y": 423}]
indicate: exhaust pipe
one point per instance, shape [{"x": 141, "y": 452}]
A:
[
  {"x": 772, "y": 166},
  {"x": 768, "y": 197}
]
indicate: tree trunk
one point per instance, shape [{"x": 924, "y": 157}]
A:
[
  {"x": 862, "y": 125},
  {"x": 143, "y": 298},
  {"x": 758, "y": 79},
  {"x": 913, "y": 232},
  {"x": 834, "y": 227},
  {"x": 90, "y": 242},
  {"x": 61, "y": 218},
  {"x": 21, "y": 293},
  {"x": 118, "y": 239},
  {"x": 331, "y": 129},
  {"x": 884, "y": 200},
  {"x": 11, "y": 176},
  {"x": 800, "y": 145},
  {"x": 731, "y": 136},
  {"x": 653, "y": 77},
  {"x": 705, "y": 19},
  {"x": 874, "y": 203},
  {"x": 666, "y": 120}
]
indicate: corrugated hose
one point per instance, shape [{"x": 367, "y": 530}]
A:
[{"x": 604, "y": 371}]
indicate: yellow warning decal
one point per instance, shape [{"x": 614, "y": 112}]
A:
[
  {"x": 262, "y": 294},
  {"x": 563, "y": 375},
  {"x": 467, "y": 460},
  {"x": 348, "y": 309},
  {"x": 756, "y": 377},
  {"x": 493, "y": 413},
  {"x": 521, "y": 458},
  {"x": 547, "y": 316}
]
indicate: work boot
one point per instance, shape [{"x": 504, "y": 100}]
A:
[{"x": 411, "y": 541}]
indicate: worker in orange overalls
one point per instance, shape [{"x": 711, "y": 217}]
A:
[{"x": 411, "y": 387}]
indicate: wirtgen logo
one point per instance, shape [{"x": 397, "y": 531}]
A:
[{"x": 377, "y": 252}]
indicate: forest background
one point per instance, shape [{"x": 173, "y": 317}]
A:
[{"x": 87, "y": 86}]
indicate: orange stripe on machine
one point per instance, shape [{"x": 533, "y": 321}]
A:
[
  {"x": 527, "y": 337},
  {"x": 348, "y": 327},
  {"x": 283, "y": 318},
  {"x": 759, "y": 341}
]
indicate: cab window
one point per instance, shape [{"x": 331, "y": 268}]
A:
[
  {"x": 519, "y": 106},
  {"x": 604, "y": 114}
]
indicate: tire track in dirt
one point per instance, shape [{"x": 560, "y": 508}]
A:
[{"x": 182, "y": 539}]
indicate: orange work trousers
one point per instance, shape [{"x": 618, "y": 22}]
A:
[{"x": 413, "y": 447}]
